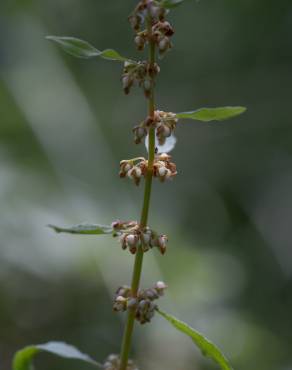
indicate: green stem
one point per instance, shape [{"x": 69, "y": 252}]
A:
[{"x": 128, "y": 332}]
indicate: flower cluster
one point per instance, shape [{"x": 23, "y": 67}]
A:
[
  {"x": 143, "y": 304},
  {"x": 141, "y": 74},
  {"x": 112, "y": 362},
  {"x": 163, "y": 122},
  {"x": 161, "y": 30},
  {"x": 142, "y": 10},
  {"x": 136, "y": 168},
  {"x": 163, "y": 168},
  {"x": 131, "y": 236}
]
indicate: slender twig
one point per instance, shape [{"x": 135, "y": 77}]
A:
[{"x": 128, "y": 332}]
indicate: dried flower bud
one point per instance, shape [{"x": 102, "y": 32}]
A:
[
  {"x": 161, "y": 243},
  {"x": 131, "y": 240},
  {"x": 168, "y": 175},
  {"x": 135, "y": 174},
  {"x": 147, "y": 86},
  {"x": 139, "y": 42},
  {"x": 143, "y": 304},
  {"x": 145, "y": 311},
  {"x": 120, "y": 299},
  {"x": 133, "y": 249},
  {"x": 127, "y": 82},
  {"x": 163, "y": 130},
  {"x": 125, "y": 167},
  {"x": 146, "y": 240},
  {"x": 140, "y": 133},
  {"x": 163, "y": 44},
  {"x": 132, "y": 303},
  {"x": 112, "y": 362},
  {"x": 160, "y": 287},
  {"x": 167, "y": 29},
  {"x": 123, "y": 241},
  {"x": 151, "y": 294},
  {"x": 116, "y": 224},
  {"x": 162, "y": 171},
  {"x": 123, "y": 291},
  {"x": 135, "y": 22},
  {"x": 154, "y": 11},
  {"x": 164, "y": 157},
  {"x": 120, "y": 304},
  {"x": 153, "y": 69}
]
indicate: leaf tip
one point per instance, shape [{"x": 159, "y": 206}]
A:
[
  {"x": 55, "y": 228},
  {"x": 242, "y": 109}
]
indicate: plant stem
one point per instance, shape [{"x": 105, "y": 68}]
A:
[{"x": 128, "y": 332}]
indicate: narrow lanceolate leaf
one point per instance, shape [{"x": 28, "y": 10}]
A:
[
  {"x": 86, "y": 229},
  {"x": 212, "y": 114},
  {"x": 208, "y": 348},
  {"x": 168, "y": 4},
  {"x": 23, "y": 359},
  {"x": 82, "y": 49}
]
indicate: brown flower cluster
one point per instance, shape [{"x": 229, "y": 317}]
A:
[
  {"x": 112, "y": 362},
  {"x": 163, "y": 122},
  {"x": 143, "y": 303},
  {"x": 161, "y": 30},
  {"x": 132, "y": 237},
  {"x": 136, "y": 168},
  {"x": 139, "y": 73}
]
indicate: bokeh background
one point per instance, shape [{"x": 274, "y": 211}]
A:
[{"x": 66, "y": 124}]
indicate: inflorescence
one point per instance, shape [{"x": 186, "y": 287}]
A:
[
  {"x": 161, "y": 30},
  {"x": 150, "y": 27},
  {"x": 132, "y": 236},
  {"x": 163, "y": 122},
  {"x": 148, "y": 21},
  {"x": 112, "y": 362},
  {"x": 136, "y": 168},
  {"x": 143, "y": 303},
  {"x": 143, "y": 73}
]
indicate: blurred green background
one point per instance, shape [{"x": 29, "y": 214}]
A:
[{"x": 66, "y": 124}]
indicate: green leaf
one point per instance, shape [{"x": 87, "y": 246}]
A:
[
  {"x": 23, "y": 359},
  {"x": 82, "y": 49},
  {"x": 212, "y": 114},
  {"x": 208, "y": 348},
  {"x": 169, "y": 4},
  {"x": 87, "y": 229}
]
